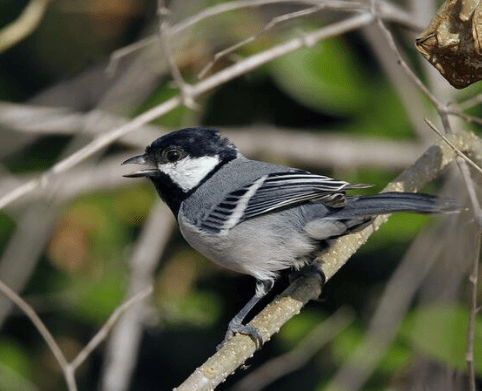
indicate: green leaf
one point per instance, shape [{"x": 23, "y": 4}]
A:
[{"x": 440, "y": 331}]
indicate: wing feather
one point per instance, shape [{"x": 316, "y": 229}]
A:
[{"x": 276, "y": 191}]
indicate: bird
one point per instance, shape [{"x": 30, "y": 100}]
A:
[{"x": 254, "y": 217}]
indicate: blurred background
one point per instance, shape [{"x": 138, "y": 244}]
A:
[{"x": 83, "y": 243}]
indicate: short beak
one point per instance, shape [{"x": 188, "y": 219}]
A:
[{"x": 141, "y": 159}]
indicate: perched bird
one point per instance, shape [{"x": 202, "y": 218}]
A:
[{"x": 253, "y": 217}]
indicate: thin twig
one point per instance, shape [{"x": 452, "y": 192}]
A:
[
  {"x": 275, "y": 21},
  {"x": 102, "y": 333},
  {"x": 117, "y": 55},
  {"x": 441, "y": 108},
  {"x": 44, "y": 332},
  {"x": 457, "y": 151},
  {"x": 466, "y": 117},
  {"x": 124, "y": 342},
  {"x": 164, "y": 38},
  {"x": 386, "y": 9}
]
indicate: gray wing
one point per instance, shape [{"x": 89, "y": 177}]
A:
[{"x": 273, "y": 192}]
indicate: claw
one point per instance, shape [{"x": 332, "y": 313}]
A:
[{"x": 251, "y": 331}]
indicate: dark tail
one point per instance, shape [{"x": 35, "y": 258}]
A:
[{"x": 385, "y": 203}]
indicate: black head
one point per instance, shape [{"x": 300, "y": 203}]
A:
[{"x": 178, "y": 162}]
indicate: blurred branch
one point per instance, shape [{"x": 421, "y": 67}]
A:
[
  {"x": 391, "y": 12},
  {"x": 44, "y": 332},
  {"x": 164, "y": 39},
  {"x": 297, "y": 145},
  {"x": 408, "y": 93},
  {"x": 24, "y": 248},
  {"x": 473, "y": 278},
  {"x": 104, "y": 330},
  {"x": 296, "y": 358},
  {"x": 275, "y": 21},
  {"x": 238, "y": 349},
  {"x": 123, "y": 345},
  {"x": 25, "y": 24}
]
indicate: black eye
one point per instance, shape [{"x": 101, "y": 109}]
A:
[{"x": 172, "y": 155}]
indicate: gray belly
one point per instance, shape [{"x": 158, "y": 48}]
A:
[{"x": 260, "y": 246}]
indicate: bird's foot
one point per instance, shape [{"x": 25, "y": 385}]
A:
[{"x": 236, "y": 327}]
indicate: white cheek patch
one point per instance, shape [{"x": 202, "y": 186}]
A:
[{"x": 188, "y": 172}]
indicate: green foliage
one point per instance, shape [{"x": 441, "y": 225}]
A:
[
  {"x": 440, "y": 331},
  {"x": 343, "y": 347},
  {"x": 329, "y": 78},
  {"x": 15, "y": 365},
  {"x": 298, "y": 327},
  {"x": 201, "y": 308},
  {"x": 96, "y": 300},
  {"x": 325, "y": 77}
]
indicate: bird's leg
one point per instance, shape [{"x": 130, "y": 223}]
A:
[{"x": 236, "y": 324}]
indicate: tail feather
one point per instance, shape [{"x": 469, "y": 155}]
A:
[{"x": 385, "y": 203}]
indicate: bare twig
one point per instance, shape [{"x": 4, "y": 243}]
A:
[
  {"x": 164, "y": 38},
  {"x": 44, "y": 332},
  {"x": 21, "y": 255},
  {"x": 275, "y": 21},
  {"x": 123, "y": 345},
  {"x": 25, "y": 24},
  {"x": 102, "y": 333},
  {"x": 389, "y": 11},
  {"x": 457, "y": 151},
  {"x": 469, "y": 103},
  {"x": 117, "y": 55},
  {"x": 442, "y": 109},
  {"x": 297, "y": 145}
]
